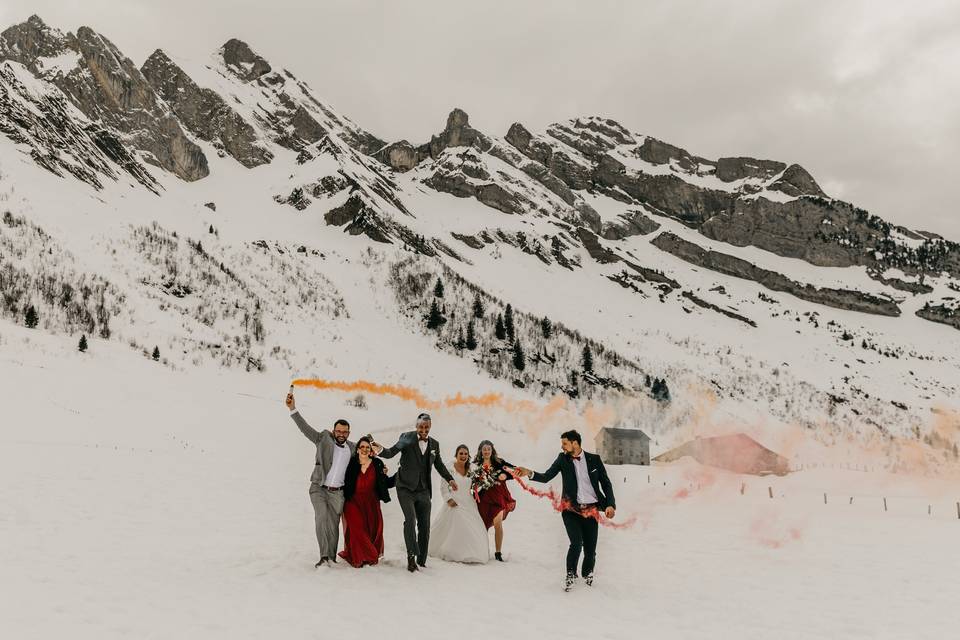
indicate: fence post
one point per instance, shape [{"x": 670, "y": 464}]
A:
[
  {"x": 851, "y": 499},
  {"x": 824, "y": 498},
  {"x": 884, "y": 504},
  {"x": 743, "y": 487},
  {"x": 770, "y": 491}
]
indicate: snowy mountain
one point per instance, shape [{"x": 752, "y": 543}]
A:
[{"x": 220, "y": 211}]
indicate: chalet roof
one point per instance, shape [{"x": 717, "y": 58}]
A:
[{"x": 634, "y": 434}]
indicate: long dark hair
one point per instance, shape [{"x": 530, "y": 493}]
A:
[
  {"x": 466, "y": 465},
  {"x": 356, "y": 452},
  {"x": 494, "y": 458}
]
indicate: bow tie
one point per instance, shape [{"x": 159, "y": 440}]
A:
[
  {"x": 575, "y": 457},
  {"x": 422, "y": 439}
]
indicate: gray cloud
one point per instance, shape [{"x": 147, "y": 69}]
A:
[{"x": 864, "y": 94}]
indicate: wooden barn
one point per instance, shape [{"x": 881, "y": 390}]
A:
[{"x": 623, "y": 446}]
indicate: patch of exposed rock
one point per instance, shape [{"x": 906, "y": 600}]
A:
[
  {"x": 204, "y": 112},
  {"x": 847, "y": 299}
]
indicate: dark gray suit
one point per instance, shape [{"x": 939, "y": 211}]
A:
[
  {"x": 414, "y": 489},
  {"x": 327, "y": 504}
]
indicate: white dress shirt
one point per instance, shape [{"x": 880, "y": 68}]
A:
[
  {"x": 585, "y": 492},
  {"x": 423, "y": 446},
  {"x": 338, "y": 466}
]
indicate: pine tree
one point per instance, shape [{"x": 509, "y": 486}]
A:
[
  {"x": 435, "y": 319},
  {"x": 498, "y": 329},
  {"x": 471, "y": 343},
  {"x": 477, "y": 306},
  {"x": 546, "y": 327},
  {"x": 587, "y": 361},
  {"x": 438, "y": 289},
  {"x": 519, "y": 359},
  {"x": 156, "y": 353},
  {"x": 508, "y": 323},
  {"x": 459, "y": 344},
  {"x": 211, "y": 228},
  {"x": 31, "y": 318},
  {"x": 83, "y": 343}
]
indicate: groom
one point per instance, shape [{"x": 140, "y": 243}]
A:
[
  {"x": 587, "y": 491},
  {"x": 418, "y": 452}
]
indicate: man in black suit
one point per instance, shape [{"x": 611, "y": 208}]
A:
[
  {"x": 418, "y": 452},
  {"x": 587, "y": 491}
]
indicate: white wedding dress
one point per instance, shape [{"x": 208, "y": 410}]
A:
[{"x": 458, "y": 534}]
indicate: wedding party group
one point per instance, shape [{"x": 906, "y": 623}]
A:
[{"x": 350, "y": 480}]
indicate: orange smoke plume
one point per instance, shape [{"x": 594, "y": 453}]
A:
[
  {"x": 404, "y": 393},
  {"x": 534, "y": 416}
]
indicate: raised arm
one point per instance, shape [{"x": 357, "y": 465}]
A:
[
  {"x": 550, "y": 473},
  {"x": 312, "y": 434},
  {"x": 402, "y": 444}
]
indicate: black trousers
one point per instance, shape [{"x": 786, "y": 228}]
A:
[
  {"x": 582, "y": 532},
  {"x": 416, "y": 521}
]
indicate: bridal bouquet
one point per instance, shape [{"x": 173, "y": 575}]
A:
[{"x": 482, "y": 478}]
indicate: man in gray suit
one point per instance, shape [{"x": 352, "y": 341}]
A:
[
  {"x": 326, "y": 483},
  {"x": 418, "y": 452}
]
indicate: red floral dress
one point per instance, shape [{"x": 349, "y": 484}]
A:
[
  {"x": 496, "y": 499},
  {"x": 363, "y": 522}
]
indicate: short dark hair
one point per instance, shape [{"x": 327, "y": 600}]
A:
[
  {"x": 573, "y": 436},
  {"x": 343, "y": 422}
]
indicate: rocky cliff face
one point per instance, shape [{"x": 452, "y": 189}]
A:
[
  {"x": 283, "y": 106},
  {"x": 45, "y": 124},
  {"x": 850, "y": 300},
  {"x": 108, "y": 89},
  {"x": 79, "y": 107},
  {"x": 204, "y": 112}
]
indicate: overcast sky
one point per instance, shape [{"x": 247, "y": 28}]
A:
[{"x": 864, "y": 94}]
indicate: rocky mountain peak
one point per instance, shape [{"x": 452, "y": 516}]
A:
[
  {"x": 243, "y": 61},
  {"x": 27, "y": 41},
  {"x": 458, "y": 133},
  {"x": 107, "y": 88},
  {"x": 519, "y": 136},
  {"x": 204, "y": 112}
]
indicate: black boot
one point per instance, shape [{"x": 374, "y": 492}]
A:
[
  {"x": 422, "y": 562},
  {"x": 412, "y": 564},
  {"x": 588, "y": 579},
  {"x": 498, "y": 556},
  {"x": 569, "y": 580},
  {"x": 323, "y": 560}
]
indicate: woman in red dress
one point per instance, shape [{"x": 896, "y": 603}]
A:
[
  {"x": 365, "y": 485},
  {"x": 490, "y": 489}
]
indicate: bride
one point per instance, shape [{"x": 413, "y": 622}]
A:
[{"x": 458, "y": 533}]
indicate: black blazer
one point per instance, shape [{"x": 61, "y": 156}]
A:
[
  {"x": 384, "y": 482},
  {"x": 413, "y": 463},
  {"x": 598, "y": 478}
]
